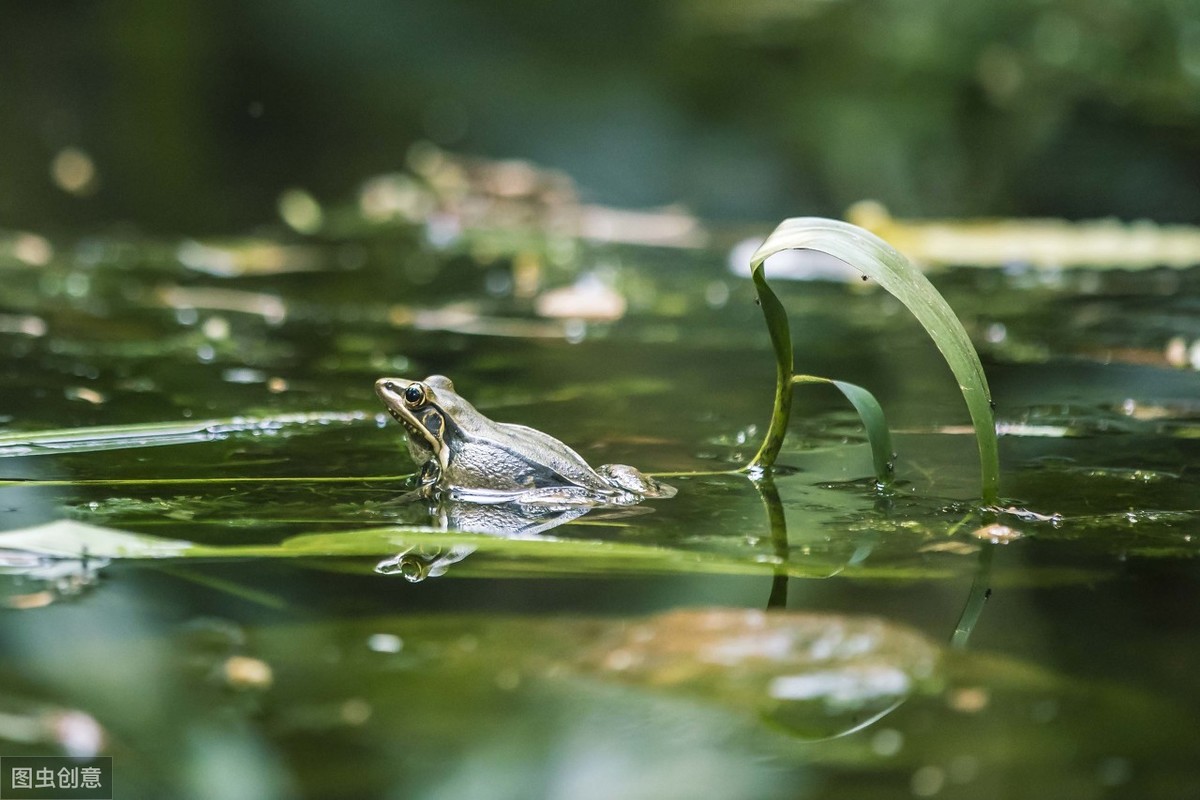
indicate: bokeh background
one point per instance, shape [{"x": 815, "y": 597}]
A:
[{"x": 193, "y": 117}]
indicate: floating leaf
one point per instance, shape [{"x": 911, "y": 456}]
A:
[{"x": 492, "y": 555}]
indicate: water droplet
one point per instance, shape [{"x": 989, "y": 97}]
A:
[
  {"x": 215, "y": 329},
  {"x": 355, "y": 711},
  {"x": 887, "y": 742},
  {"x": 716, "y": 294},
  {"x": 928, "y": 781},
  {"x": 385, "y": 643},
  {"x": 575, "y": 330},
  {"x": 1114, "y": 771},
  {"x": 245, "y": 672},
  {"x": 74, "y": 172},
  {"x": 300, "y": 211},
  {"x": 963, "y": 769}
]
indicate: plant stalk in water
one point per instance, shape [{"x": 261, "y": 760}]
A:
[
  {"x": 878, "y": 260},
  {"x": 980, "y": 592}
]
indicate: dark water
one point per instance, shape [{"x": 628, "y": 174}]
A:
[{"x": 242, "y": 625}]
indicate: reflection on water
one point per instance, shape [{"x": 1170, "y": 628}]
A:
[
  {"x": 50, "y": 729},
  {"x": 818, "y": 675},
  {"x": 511, "y": 519},
  {"x": 31, "y": 580},
  {"x": 415, "y": 564}
]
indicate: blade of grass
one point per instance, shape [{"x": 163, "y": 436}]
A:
[
  {"x": 980, "y": 591},
  {"x": 879, "y": 260},
  {"x": 218, "y": 481},
  {"x": 871, "y": 414},
  {"x": 150, "y": 434}
]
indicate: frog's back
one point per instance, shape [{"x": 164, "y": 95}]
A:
[{"x": 516, "y": 457}]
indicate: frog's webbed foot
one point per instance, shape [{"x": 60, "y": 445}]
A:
[{"x": 628, "y": 479}]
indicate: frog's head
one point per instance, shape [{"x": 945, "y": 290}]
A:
[{"x": 425, "y": 409}]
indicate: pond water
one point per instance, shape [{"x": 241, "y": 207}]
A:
[{"x": 208, "y": 574}]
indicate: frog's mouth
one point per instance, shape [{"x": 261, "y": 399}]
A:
[
  {"x": 409, "y": 428},
  {"x": 417, "y": 433}
]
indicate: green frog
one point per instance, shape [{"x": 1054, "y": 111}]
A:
[{"x": 464, "y": 453}]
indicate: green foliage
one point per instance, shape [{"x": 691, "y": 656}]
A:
[
  {"x": 871, "y": 414},
  {"x": 494, "y": 556},
  {"x": 878, "y": 260}
]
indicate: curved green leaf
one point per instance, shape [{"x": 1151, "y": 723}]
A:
[
  {"x": 879, "y": 260},
  {"x": 871, "y": 414}
]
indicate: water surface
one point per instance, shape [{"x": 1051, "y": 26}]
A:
[{"x": 242, "y": 620}]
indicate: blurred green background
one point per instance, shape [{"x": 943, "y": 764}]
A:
[{"x": 194, "y": 116}]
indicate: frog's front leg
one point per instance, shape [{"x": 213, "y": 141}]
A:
[{"x": 427, "y": 481}]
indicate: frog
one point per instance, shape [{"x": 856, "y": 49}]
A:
[{"x": 465, "y": 455}]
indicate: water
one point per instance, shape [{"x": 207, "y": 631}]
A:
[{"x": 256, "y": 614}]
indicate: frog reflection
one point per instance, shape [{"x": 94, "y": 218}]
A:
[
  {"x": 415, "y": 564},
  {"x": 510, "y": 519}
]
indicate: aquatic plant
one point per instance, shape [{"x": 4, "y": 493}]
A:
[{"x": 877, "y": 260}]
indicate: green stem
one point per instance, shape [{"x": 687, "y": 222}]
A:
[
  {"x": 781, "y": 341},
  {"x": 780, "y": 416},
  {"x": 223, "y": 585},
  {"x": 876, "y": 259},
  {"x": 191, "y": 481},
  {"x": 702, "y": 473},
  {"x": 980, "y": 591}
]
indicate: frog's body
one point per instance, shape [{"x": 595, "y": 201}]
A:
[{"x": 469, "y": 455}]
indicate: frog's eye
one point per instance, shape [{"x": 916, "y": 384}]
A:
[{"x": 414, "y": 395}]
